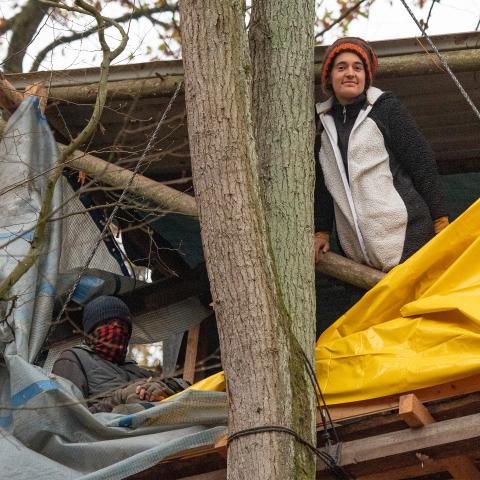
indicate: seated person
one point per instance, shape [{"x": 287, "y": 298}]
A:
[{"x": 99, "y": 367}]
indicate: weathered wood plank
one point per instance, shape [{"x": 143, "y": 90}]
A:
[
  {"x": 413, "y": 411},
  {"x": 191, "y": 354},
  {"x": 390, "y": 402},
  {"x": 437, "y": 440},
  {"x": 461, "y": 468}
]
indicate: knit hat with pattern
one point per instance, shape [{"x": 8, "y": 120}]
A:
[
  {"x": 348, "y": 44},
  {"x": 102, "y": 309}
]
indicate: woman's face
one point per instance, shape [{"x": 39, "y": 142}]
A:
[{"x": 347, "y": 77}]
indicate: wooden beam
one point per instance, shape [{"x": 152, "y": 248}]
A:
[
  {"x": 191, "y": 354},
  {"x": 221, "y": 446},
  {"x": 413, "y": 411},
  {"x": 348, "y": 271},
  {"x": 217, "y": 475},
  {"x": 162, "y": 195},
  {"x": 416, "y": 64},
  {"x": 391, "y": 402},
  {"x": 405, "y": 472},
  {"x": 461, "y": 467},
  {"x": 438, "y": 440}
]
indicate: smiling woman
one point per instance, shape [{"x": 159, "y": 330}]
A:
[
  {"x": 376, "y": 178},
  {"x": 348, "y": 77}
]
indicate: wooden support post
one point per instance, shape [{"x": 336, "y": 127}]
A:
[
  {"x": 415, "y": 414},
  {"x": 413, "y": 411},
  {"x": 191, "y": 354},
  {"x": 461, "y": 468}
]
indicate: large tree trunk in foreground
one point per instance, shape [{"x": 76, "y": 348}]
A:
[
  {"x": 262, "y": 358},
  {"x": 282, "y": 51}
]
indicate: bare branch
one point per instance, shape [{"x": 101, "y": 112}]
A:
[
  {"x": 39, "y": 235},
  {"x": 136, "y": 14},
  {"x": 23, "y": 26}
]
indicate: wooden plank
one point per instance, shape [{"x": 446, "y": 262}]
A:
[
  {"x": 461, "y": 468},
  {"x": 415, "y": 414},
  {"x": 437, "y": 440},
  {"x": 413, "y": 411},
  {"x": 405, "y": 472},
  {"x": 221, "y": 446},
  {"x": 391, "y": 402},
  {"x": 217, "y": 475},
  {"x": 191, "y": 354}
]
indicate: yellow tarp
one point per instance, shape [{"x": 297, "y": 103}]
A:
[{"x": 419, "y": 327}]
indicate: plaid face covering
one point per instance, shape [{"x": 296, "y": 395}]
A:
[{"x": 110, "y": 341}]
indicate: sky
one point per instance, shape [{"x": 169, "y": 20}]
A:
[
  {"x": 390, "y": 19},
  {"x": 387, "y": 19}
]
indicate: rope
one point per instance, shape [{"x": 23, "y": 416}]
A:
[
  {"x": 326, "y": 458},
  {"x": 443, "y": 60},
  {"x": 118, "y": 203}
]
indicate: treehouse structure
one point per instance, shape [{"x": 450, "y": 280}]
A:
[{"x": 431, "y": 432}]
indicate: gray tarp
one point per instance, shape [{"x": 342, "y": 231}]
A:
[{"x": 45, "y": 430}]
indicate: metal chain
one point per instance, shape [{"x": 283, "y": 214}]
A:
[
  {"x": 443, "y": 60},
  {"x": 118, "y": 203}
]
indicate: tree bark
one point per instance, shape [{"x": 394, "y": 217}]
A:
[
  {"x": 282, "y": 50},
  {"x": 261, "y": 356}
]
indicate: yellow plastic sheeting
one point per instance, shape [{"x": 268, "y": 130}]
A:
[{"x": 419, "y": 327}]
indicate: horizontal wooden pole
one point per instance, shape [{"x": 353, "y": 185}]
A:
[
  {"x": 348, "y": 271},
  {"x": 119, "y": 90},
  {"x": 162, "y": 195}
]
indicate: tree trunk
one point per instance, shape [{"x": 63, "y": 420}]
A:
[
  {"x": 282, "y": 51},
  {"x": 262, "y": 358}
]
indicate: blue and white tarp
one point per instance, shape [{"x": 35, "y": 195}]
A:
[{"x": 46, "y": 431}]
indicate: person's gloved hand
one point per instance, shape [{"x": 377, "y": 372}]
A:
[
  {"x": 439, "y": 224},
  {"x": 153, "y": 390}
]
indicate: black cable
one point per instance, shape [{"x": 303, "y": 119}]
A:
[
  {"x": 326, "y": 458},
  {"x": 323, "y": 404}
]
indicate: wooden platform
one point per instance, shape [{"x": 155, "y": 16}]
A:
[{"x": 429, "y": 434}]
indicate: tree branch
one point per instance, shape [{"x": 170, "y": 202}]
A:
[
  {"x": 341, "y": 18},
  {"x": 139, "y": 13},
  {"x": 39, "y": 236},
  {"x": 23, "y": 27}
]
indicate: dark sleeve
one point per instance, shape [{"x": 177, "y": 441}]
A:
[
  {"x": 413, "y": 152},
  {"x": 68, "y": 366},
  {"x": 323, "y": 202}
]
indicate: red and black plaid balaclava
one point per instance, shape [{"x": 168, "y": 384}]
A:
[{"x": 110, "y": 340}]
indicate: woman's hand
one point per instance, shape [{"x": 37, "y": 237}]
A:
[{"x": 322, "y": 244}]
